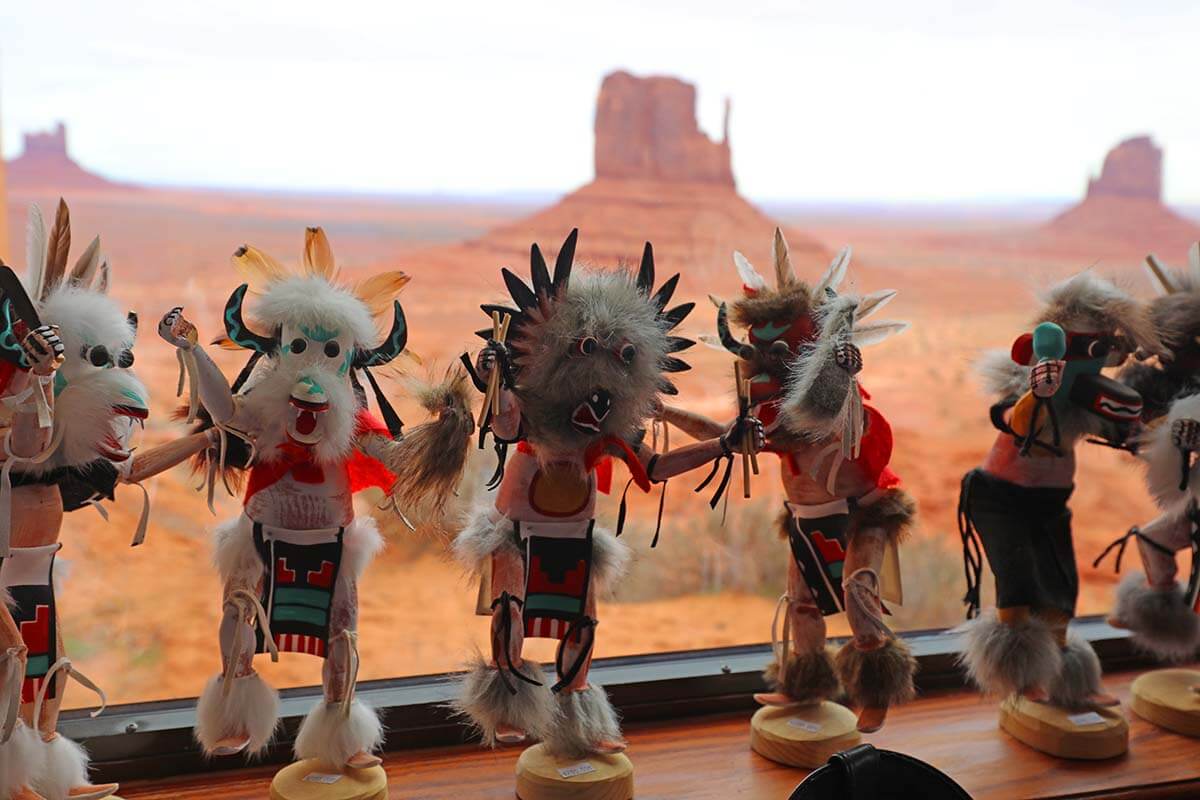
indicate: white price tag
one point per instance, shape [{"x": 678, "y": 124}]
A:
[
  {"x": 804, "y": 725},
  {"x": 1086, "y": 718},
  {"x": 576, "y": 769},
  {"x": 322, "y": 777}
]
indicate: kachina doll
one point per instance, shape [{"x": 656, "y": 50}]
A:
[
  {"x": 73, "y": 406},
  {"x": 845, "y": 511},
  {"x": 296, "y": 421},
  {"x": 1051, "y": 395},
  {"x": 576, "y": 379}
]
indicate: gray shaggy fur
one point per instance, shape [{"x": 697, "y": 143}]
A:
[
  {"x": 1163, "y": 459},
  {"x": 1005, "y": 659},
  {"x": 484, "y": 700},
  {"x": 1161, "y": 620},
  {"x": 877, "y": 678},
  {"x": 806, "y": 678},
  {"x": 1087, "y": 302},
  {"x": 610, "y": 558},
  {"x": 1001, "y": 376},
  {"x": 586, "y": 719},
  {"x": 1079, "y": 677},
  {"x": 894, "y": 512},
  {"x": 485, "y": 532},
  {"x": 815, "y": 400}
]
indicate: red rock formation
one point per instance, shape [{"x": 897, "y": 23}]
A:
[
  {"x": 45, "y": 164},
  {"x": 646, "y": 129},
  {"x": 1131, "y": 169}
]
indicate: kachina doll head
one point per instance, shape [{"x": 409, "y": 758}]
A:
[
  {"x": 1175, "y": 314},
  {"x": 311, "y": 336},
  {"x": 99, "y": 403},
  {"x": 1169, "y": 449},
  {"x": 589, "y": 349}
]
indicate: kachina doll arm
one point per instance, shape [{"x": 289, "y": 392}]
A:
[
  {"x": 662, "y": 466},
  {"x": 148, "y": 463},
  {"x": 213, "y": 390},
  {"x": 30, "y": 393},
  {"x": 695, "y": 425}
]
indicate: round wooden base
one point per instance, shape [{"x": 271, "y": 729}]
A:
[
  {"x": 1168, "y": 698},
  {"x": 310, "y": 780},
  {"x": 803, "y": 736},
  {"x": 541, "y": 776},
  {"x": 1091, "y": 735}
]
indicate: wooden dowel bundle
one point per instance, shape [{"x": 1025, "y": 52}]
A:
[{"x": 491, "y": 398}]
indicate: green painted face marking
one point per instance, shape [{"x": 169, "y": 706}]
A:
[
  {"x": 319, "y": 333},
  {"x": 60, "y": 383},
  {"x": 768, "y": 331},
  {"x": 346, "y": 364},
  {"x": 313, "y": 386},
  {"x": 132, "y": 395}
]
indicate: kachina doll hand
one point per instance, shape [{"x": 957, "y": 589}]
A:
[
  {"x": 1185, "y": 434},
  {"x": 847, "y": 356},
  {"x": 176, "y": 330},
  {"x": 731, "y": 440},
  {"x": 43, "y": 350},
  {"x": 494, "y": 354},
  {"x": 1046, "y": 378}
]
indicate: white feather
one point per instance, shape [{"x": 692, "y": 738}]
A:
[
  {"x": 750, "y": 277},
  {"x": 876, "y": 332},
  {"x": 713, "y": 341},
  {"x": 35, "y": 252},
  {"x": 873, "y": 302},
  {"x": 833, "y": 276}
]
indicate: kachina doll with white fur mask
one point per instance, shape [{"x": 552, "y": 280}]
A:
[
  {"x": 577, "y": 379},
  {"x": 845, "y": 511},
  {"x": 72, "y": 407},
  {"x": 296, "y": 422},
  {"x": 1052, "y": 395}
]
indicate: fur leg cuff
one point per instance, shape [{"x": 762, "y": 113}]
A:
[
  {"x": 587, "y": 720},
  {"x": 332, "y": 737},
  {"x": 1079, "y": 678},
  {"x": 486, "y": 701},
  {"x": 22, "y": 758},
  {"x": 64, "y": 767},
  {"x": 1004, "y": 659},
  {"x": 250, "y": 709},
  {"x": 806, "y": 677},
  {"x": 877, "y": 678},
  {"x": 1160, "y": 619}
]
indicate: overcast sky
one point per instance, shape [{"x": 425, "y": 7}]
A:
[{"x": 877, "y": 100}]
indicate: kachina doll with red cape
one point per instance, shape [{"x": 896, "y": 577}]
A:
[
  {"x": 1051, "y": 396},
  {"x": 296, "y": 420},
  {"x": 578, "y": 376},
  {"x": 845, "y": 511},
  {"x": 72, "y": 408}
]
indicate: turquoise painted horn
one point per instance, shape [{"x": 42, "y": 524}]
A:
[
  {"x": 236, "y": 330},
  {"x": 392, "y": 346}
]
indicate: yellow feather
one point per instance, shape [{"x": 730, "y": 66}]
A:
[
  {"x": 318, "y": 255},
  {"x": 258, "y": 268},
  {"x": 378, "y": 291},
  {"x": 225, "y": 343}
]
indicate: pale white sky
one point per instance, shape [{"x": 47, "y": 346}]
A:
[{"x": 927, "y": 100}]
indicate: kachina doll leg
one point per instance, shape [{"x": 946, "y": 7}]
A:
[
  {"x": 1077, "y": 684},
  {"x": 341, "y": 731},
  {"x": 237, "y": 711},
  {"x": 506, "y": 698},
  {"x": 1153, "y": 606},
  {"x": 801, "y": 669},
  {"x": 876, "y": 668},
  {"x": 21, "y": 749}
]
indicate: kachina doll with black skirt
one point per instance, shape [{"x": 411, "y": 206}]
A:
[
  {"x": 845, "y": 511},
  {"x": 295, "y": 426},
  {"x": 1051, "y": 396},
  {"x": 71, "y": 411},
  {"x": 1160, "y": 612},
  {"x": 576, "y": 379}
]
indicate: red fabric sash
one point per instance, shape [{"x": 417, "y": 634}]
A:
[{"x": 595, "y": 459}]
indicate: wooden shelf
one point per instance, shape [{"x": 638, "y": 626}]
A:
[{"x": 709, "y": 758}]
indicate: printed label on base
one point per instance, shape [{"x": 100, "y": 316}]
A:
[
  {"x": 322, "y": 777},
  {"x": 1086, "y": 718},
  {"x": 576, "y": 769},
  {"x": 804, "y": 725}
]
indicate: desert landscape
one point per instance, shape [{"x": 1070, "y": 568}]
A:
[{"x": 143, "y": 622}]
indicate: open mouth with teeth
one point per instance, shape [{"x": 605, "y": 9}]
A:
[
  {"x": 589, "y": 414},
  {"x": 305, "y": 422}
]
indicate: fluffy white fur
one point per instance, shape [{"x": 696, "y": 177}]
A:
[
  {"x": 610, "y": 558},
  {"x": 360, "y": 544},
  {"x": 332, "y": 738},
  {"x": 65, "y": 766},
  {"x": 1080, "y": 675},
  {"x": 84, "y": 319},
  {"x": 252, "y": 708},
  {"x": 1163, "y": 459},
  {"x": 485, "y": 532},
  {"x": 267, "y": 409},
  {"x": 22, "y": 757},
  {"x": 1161, "y": 620},
  {"x": 83, "y": 412},
  {"x": 1001, "y": 376},
  {"x": 311, "y": 302},
  {"x": 586, "y": 720},
  {"x": 482, "y": 698},
  {"x": 1004, "y": 659}
]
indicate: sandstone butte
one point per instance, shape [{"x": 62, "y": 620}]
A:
[{"x": 45, "y": 163}]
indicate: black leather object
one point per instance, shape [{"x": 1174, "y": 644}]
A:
[{"x": 864, "y": 773}]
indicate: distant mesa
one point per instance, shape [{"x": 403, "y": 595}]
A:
[
  {"x": 1124, "y": 204},
  {"x": 46, "y": 164}
]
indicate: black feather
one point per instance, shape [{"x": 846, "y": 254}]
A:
[
  {"x": 485, "y": 334},
  {"x": 666, "y": 387},
  {"x": 645, "y": 278},
  {"x": 671, "y": 364},
  {"x": 663, "y": 295},
  {"x": 565, "y": 261},
  {"x": 677, "y": 343},
  {"x": 522, "y": 294},
  {"x": 505, "y": 311},
  {"x": 541, "y": 275},
  {"x": 677, "y": 314}
]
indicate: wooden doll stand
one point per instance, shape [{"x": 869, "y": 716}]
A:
[
  {"x": 803, "y": 735},
  {"x": 541, "y": 776},
  {"x": 1169, "y": 698},
  {"x": 311, "y": 780},
  {"x": 1092, "y": 735}
]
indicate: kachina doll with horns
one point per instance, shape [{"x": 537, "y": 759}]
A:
[
  {"x": 574, "y": 383},
  {"x": 1051, "y": 395},
  {"x": 296, "y": 422},
  {"x": 845, "y": 511},
  {"x": 1159, "y": 612},
  {"x": 72, "y": 405}
]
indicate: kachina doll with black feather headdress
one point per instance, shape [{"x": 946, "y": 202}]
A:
[
  {"x": 1052, "y": 395},
  {"x": 296, "y": 421},
  {"x": 576, "y": 380},
  {"x": 845, "y": 511}
]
